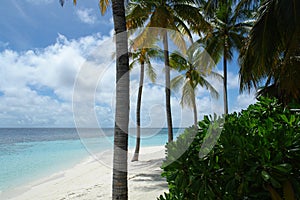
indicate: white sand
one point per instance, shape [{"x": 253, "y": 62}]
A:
[{"x": 92, "y": 179}]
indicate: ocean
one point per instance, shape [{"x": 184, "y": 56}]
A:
[{"x": 28, "y": 154}]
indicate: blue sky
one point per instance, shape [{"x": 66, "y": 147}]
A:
[{"x": 46, "y": 49}]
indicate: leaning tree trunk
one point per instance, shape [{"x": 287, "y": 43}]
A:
[
  {"x": 119, "y": 185},
  {"x": 167, "y": 87},
  {"x": 138, "y": 115},
  {"x": 225, "y": 82},
  {"x": 195, "y": 111}
]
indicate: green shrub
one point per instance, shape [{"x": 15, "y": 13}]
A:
[{"x": 257, "y": 156}]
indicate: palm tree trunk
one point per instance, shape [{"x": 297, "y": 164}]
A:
[
  {"x": 119, "y": 186},
  {"x": 225, "y": 82},
  {"x": 167, "y": 87},
  {"x": 195, "y": 112},
  {"x": 138, "y": 115}
]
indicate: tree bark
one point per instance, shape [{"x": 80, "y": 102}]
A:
[
  {"x": 225, "y": 81},
  {"x": 138, "y": 114},
  {"x": 167, "y": 87},
  {"x": 195, "y": 112},
  {"x": 119, "y": 185}
]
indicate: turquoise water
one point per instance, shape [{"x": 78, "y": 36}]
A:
[{"x": 30, "y": 154}]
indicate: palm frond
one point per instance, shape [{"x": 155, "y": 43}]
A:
[
  {"x": 262, "y": 54},
  {"x": 193, "y": 17},
  {"x": 151, "y": 71},
  {"x": 183, "y": 29},
  {"x": 176, "y": 82},
  {"x": 131, "y": 65},
  {"x": 156, "y": 53},
  {"x": 137, "y": 15},
  {"x": 178, "y": 62},
  {"x": 178, "y": 40},
  {"x": 146, "y": 39},
  {"x": 213, "y": 92},
  {"x": 214, "y": 47},
  {"x": 188, "y": 95},
  {"x": 216, "y": 75},
  {"x": 203, "y": 62},
  {"x": 103, "y": 5}
]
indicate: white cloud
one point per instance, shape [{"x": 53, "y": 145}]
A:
[
  {"x": 38, "y": 84},
  {"x": 244, "y": 100},
  {"x": 38, "y": 88},
  {"x": 232, "y": 80},
  {"x": 86, "y": 15}
]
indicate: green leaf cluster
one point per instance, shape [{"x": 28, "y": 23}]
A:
[{"x": 257, "y": 156}]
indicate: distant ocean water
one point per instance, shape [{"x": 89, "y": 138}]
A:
[{"x": 27, "y": 154}]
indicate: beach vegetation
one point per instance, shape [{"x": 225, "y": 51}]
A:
[{"x": 257, "y": 156}]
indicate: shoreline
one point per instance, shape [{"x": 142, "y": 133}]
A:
[{"x": 92, "y": 179}]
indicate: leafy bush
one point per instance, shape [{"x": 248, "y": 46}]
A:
[{"x": 257, "y": 156}]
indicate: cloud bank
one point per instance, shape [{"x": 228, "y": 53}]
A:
[{"x": 37, "y": 88}]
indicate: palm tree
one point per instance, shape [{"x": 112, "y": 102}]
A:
[
  {"x": 120, "y": 186},
  {"x": 166, "y": 15},
  {"x": 142, "y": 57},
  {"x": 230, "y": 26},
  {"x": 272, "y": 51},
  {"x": 195, "y": 67}
]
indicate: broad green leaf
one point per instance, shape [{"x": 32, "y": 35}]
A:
[
  {"x": 265, "y": 175},
  {"x": 283, "y": 168},
  {"x": 285, "y": 119}
]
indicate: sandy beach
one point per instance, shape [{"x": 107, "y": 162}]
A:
[{"x": 91, "y": 179}]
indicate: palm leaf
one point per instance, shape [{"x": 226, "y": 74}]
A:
[
  {"x": 176, "y": 82},
  {"x": 137, "y": 15},
  {"x": 213, "y": 92},
  {"x": 178, "y": 62},
  {"x": 103, "y": 5},
  {"x": 197, "y": 22},
  {"x": 178, "y": 40},
  {"x": 188, "y": 94},
  {"x": 146, "y": 39},
  {"x": 151, "y": 71},
  {"x": 264, "y": 55}
]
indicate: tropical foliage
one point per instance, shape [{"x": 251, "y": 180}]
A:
[
  {"x": 272, "y": 51},
  {"x": 230, "y": 26},
  {"x": 165, "y": 15},
  {"x": 256, "y": 157},
  {"x": 194, "y": 68}
]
